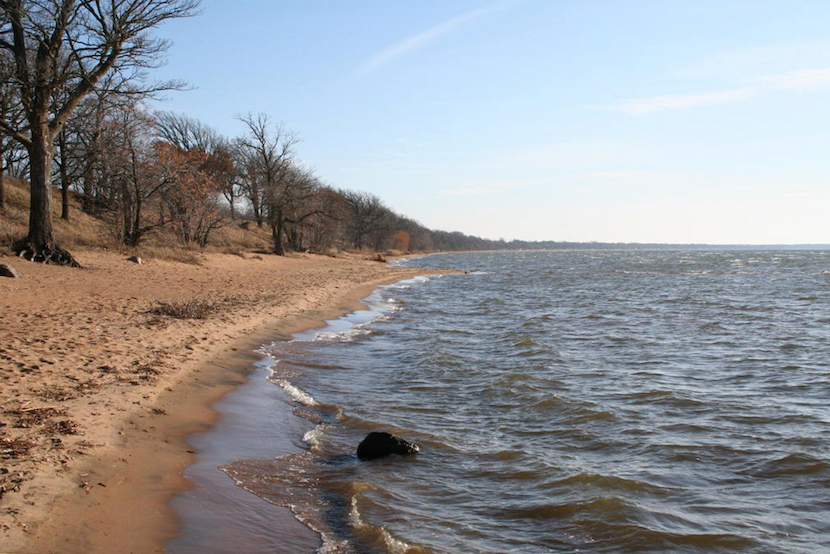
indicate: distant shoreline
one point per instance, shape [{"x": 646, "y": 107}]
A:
[{"x": 551, "y": 245}]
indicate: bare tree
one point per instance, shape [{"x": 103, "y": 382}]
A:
[
  {"x": 65, "y": 154},
  {"x": 186, "y": 133},
  {"x": 9, "y": 111},
  {"x": 190, "y": 192},
  {"x": 292, "y": 201},
  {"x": 367, "y": 219},
  {"x": 327, "y": 230},
  {"x": 225, "y": 164},
  {"x": 63, "y": 50},
  {"x": 268, "y": 150},
  {"x": 127, "y": 143},
  {"x": 88, "y": 130}
]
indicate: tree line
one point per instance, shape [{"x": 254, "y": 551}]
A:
[{"x": 74, "y": 117}]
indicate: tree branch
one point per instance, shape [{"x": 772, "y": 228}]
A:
[{"x": 15, "y": 134}]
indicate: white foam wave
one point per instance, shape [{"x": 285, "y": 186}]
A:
[
  {"x": 312, "y": 438},
  {"x": 351, "y": 335},
  {"x": 295, "y": 392},
  {"x": 407, "y": 283},
  {"x": 332, "y": 545},
  {"x": 393, "y": 545}
]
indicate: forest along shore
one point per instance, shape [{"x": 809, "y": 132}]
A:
[{"x": 106, "y": 370}]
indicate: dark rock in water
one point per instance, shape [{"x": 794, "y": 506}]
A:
[
  {"x": 378, "y": 445},
  {"x": 8, "y": 271}
]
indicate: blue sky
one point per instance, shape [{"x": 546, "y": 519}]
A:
[{"x": 609, "y": 120}]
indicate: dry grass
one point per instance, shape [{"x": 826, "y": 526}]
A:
[
  {"x": 200, "y": 307},
  {"x": 181, "y": 254},
  {"x": 82, "y": 230},
  {"x": 189, "y": 308},
  {"x": 14, "y": 219},
  {"x": 85, "y": 231},
  {"x": 234, "y": 238}
]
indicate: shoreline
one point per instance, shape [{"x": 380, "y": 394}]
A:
[
  {"x": 256, "y": 420},
  {"x": 114, "y": 496}
]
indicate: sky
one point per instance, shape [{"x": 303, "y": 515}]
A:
[{"x": 662, "y": 121}]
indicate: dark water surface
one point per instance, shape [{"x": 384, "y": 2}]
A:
[{"x": 569, "y": 402}]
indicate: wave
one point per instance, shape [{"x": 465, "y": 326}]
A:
[
  {"x": 355, "y": 334},
  {"x": 310, "y": 364},
  {"x": 607, "y": 482},
  {"x": 313, "y": 438},
  {"x": 378, "y": 536},
  {"x": 295, "y": 392},
  {"x": 791, "y": 465},
  {"x": 295, "y": 481}
]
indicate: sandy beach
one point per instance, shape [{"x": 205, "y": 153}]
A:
[{"x": 101, "y": 387}]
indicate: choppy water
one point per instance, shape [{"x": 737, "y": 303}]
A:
[{"x": 570, "y": 402}]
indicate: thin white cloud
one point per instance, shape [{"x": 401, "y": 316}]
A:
[
  {"x": 746, "y": 63},
  {"x": 642, "y": 106},
  {"x": 622, "y": 175},
  {"x": 488, "y": 188},
  {"x": 466, "y": 191},
  {"x": 415, "y": 42},
  {"x": 805, "y": 79}
]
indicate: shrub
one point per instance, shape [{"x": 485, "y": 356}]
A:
[{"x": 189, "y": 308}]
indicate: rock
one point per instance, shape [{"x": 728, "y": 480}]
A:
[
  {"x": 8, "y": 271},
  {"x": 378, "y": 445},
  {"x": 135, "y": 260}
]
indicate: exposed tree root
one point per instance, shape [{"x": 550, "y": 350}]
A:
[{"x": 53, "y": 254}]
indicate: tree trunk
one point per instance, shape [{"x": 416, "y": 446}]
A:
[
  {"x": 64, "y": 200},
  {"x": 277, "y": 234},
  {"x": 135, "y": 232},
  {"x": 86, "y": 195},
  {"x": 64, "y": 176},
  {"x": 256, "y": 207},
  {"x": 40, "y": 245},
  {"x": 2, "y": 184},
  {"x": 40, "y": 178}
]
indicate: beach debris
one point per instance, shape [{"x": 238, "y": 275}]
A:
[
  {"x": 32, "y": 417},
  {"x": 8, "y": 271},
  {"x": 189, "y": 308},
  {"x": 10, "y": 481},
  {"x": 11, "y": 449},
  {"x": 380, "y": 444},
  {"x": 135, "y": 260},
  {"x": 65, "y": 427},
  {"x": 54, "y": 393}
]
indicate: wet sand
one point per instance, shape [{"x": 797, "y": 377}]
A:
[
  {"x": 256, "y": 421},
  {"x": 99, "y": 395}
]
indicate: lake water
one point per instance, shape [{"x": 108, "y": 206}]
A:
[{"x": 574, "y": 401}]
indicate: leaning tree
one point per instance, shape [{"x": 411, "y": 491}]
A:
[{"x": 62, "y": 51}]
